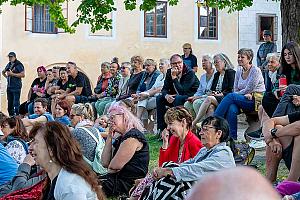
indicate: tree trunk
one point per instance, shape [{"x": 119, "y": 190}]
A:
[{"x": 290, "y": 16}]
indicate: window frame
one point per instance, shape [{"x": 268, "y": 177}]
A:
[
  {"x": 199, "y": 25},
  {"x": 154, "y": 22},
  {"x": 274, "y": 26},
  {"x": 31, "y": 29}
]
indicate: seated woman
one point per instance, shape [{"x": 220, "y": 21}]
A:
[
  {"x": 127, "y": 159},
  {"x": 15, "y": 138},
  {"x": 62, "y": 112},
  {"x": 271, "y": 96},
  {"x": 222, "y": 85},
  {"x": 193, "y": 103},
  {"x": 175, "y": 181},
  {"x": 181, "y": 146},
  {"x": 58, "y": 153},
  {"x": 88, "y": 137},
  {"x": 146, "y": 100},
  {"x": 248, "y": 87}
]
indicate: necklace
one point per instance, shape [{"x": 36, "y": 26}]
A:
[{"x": 245, "y": 71}]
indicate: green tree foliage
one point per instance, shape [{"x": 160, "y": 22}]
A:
[{"x": 94, "y": 12}]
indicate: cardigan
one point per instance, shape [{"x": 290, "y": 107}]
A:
[
  {"x": 206, "y": 161},
  {"x": 191, "y": 147},
  {"x": 70, "y": 186},
  {"x": 228, "y": 81}
]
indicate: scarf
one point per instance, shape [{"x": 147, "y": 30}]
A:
[{"x": 85, "y": 122}]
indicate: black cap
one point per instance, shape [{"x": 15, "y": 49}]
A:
[
  {"x": 267, "y": 32},
  {"x": 12, "y": 54}
]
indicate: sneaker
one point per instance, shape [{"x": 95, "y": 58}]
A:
[
  {"x": 257, "y": 144},
  {"x": 256, "y": 135}
]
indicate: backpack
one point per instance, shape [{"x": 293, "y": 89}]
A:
[
  {"x": 96, "y": 164},
  {"x": 34, "y": 192}
]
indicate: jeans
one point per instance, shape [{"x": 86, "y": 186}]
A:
[
  {"x": 230, "y": 107},
  {"x": 13, "y": 101},
  {"x": 161, "y": 109},
  {"x": 286, "y": 105}
]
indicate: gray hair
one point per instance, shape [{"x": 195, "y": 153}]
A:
[
  {"x": 225, "y": 59},
  {"x": 208, "y": 57},
  {"x": 275, "y": 56},
  {"x": 165, "y": 61},
  {"x": 247, "y": 52}
]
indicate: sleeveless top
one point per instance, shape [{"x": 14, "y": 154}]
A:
[{"x": 137, "y": 166}]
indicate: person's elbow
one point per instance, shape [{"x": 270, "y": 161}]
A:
[{"x": 116, "y": 166}]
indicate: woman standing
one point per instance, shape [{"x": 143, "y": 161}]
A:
[
  {"x": 222, "y": 85},
  {"x": 248, "y": 84},
  {"x": 189, "y": 59}
]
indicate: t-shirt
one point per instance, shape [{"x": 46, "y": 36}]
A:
[
  {"x": 62, "y": 86},
  {"x": 293, "y": 117},
  {"x": 134, "y": 82},
  {"x": 12, "y": 81},
  {"x": 37, "y": 86},
  {"x": 48, "y": 116},
  {"x": 64, "y": 120},
  {"x": 190, "y": 61},
  {"x": 81, "y": 80},
  {"x": 8, "y": 166}
]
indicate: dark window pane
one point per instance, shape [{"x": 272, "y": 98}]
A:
[
  {"x": 42, "y": 21},
  {"x": 155, "y": 21},
  {"x": 203, "y": 21},
  {"x": 207, "y": 22}
]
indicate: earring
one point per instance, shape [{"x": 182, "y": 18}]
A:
[{"x": 50, "y": 161}]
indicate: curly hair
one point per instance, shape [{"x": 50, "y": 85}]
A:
[
  {"x": 66, "y": 152},
  {"x": 178, "y": 113}
]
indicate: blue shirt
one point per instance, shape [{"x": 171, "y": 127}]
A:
[
  {"x": 64, "y": 120},
  {"x": 8, "y": 166},
  {"x": 48, "y": 116}
]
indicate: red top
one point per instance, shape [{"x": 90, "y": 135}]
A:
[{"x": 192, "y": 145}]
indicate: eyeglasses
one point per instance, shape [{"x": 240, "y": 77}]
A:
[
  {"x": 186, "y": 48},
  {"x": 206, "y": 128},
  {"x": 113, "y": 117},
  {"x": 176, "y": 63}
]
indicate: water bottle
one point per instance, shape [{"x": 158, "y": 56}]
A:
[{"x": 282, "y": 82}]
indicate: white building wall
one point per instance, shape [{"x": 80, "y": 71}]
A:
[{"x": 248, "y": 24}]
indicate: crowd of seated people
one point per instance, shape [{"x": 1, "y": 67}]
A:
[{"x": 79, "y": 142}]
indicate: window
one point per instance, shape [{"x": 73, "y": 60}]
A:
[
  {"x": 155, "y": 21},
  {"x": 207, "y": 23},
  {"x": 37, "y": 19},
  {"x": 267, "y": 22}
]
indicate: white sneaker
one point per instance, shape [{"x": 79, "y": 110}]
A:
[{"x": 257, "y": 144}]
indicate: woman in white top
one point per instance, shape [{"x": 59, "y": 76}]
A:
[
  {"x": 57, "y": 152},
  {"x": 193, "y": 103},
  {"x": 147, "y": 99}
]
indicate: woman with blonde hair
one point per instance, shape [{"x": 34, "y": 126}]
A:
[
  {"x": 222, "y": 84},
  {"x": 127, "y": 158},
  {"x": 84, "y": 132}
]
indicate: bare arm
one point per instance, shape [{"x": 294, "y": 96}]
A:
[
  {"x": 76, "y": 92},
  {"x": 18, "y": 75},
  {"x": 29, "y": 94},
  {"x": 4, "y": 73},
  {"x": 107, "y": 152},
  {"x": 152, "y": 92},
  {"x": 30, "y": 122},
  {"x": 271, "y": 123}
]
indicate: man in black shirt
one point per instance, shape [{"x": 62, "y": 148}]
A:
[
  {"x": 282, "y": 135},
  {"x": 13, "y": 72},
  {"x": 79, "y": 87}
]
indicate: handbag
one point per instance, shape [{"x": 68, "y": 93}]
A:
[{"x": 258, "y": 96}]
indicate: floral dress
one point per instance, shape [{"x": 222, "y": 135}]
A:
[{"x": 16, "y": 149}]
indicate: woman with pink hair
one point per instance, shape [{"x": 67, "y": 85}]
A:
[{"x": 129, "y": 159}]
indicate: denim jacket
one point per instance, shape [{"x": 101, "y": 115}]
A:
[{"x": 144, "y": 87}]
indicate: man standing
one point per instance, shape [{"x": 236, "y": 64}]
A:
[
  {"x": 267, "y": 47},
  {"x": 13, "y": 72},
  {"x": 180, "y": 83}
]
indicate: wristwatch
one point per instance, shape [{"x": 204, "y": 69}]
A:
[{"x": 273, "y": 132}]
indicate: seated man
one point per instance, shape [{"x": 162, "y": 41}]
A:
[
  {"x": 214, "y": 156},
  {"x": 40, "y": 113},
  {"x": 282, "y": 136},
  {"x": 180, "y": 83},
  {"x": 79, "y": 88}
]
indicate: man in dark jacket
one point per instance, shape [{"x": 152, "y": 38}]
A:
[
  {"x": 13, "y": 72},
  {"x": 180, "y": 83}
]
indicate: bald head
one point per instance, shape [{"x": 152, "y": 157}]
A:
[{"x": 234, "y": 184}]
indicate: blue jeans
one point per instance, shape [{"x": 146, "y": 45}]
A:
[
  {"x": 161, "y": 109},
  {"x": 230, "y": 107},
  {"x": 13, "y": 101}
]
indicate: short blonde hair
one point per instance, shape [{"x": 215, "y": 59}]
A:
[
  {"x": 85, "y": 110},
  {"x": 140, "y": 59}
]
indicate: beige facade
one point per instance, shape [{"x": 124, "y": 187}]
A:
[{"x": 126, "y": 39}]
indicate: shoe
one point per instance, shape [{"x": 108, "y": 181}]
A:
[
  {"x": 257, "y": 144},
  {"x": 256, "y": 135}
]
